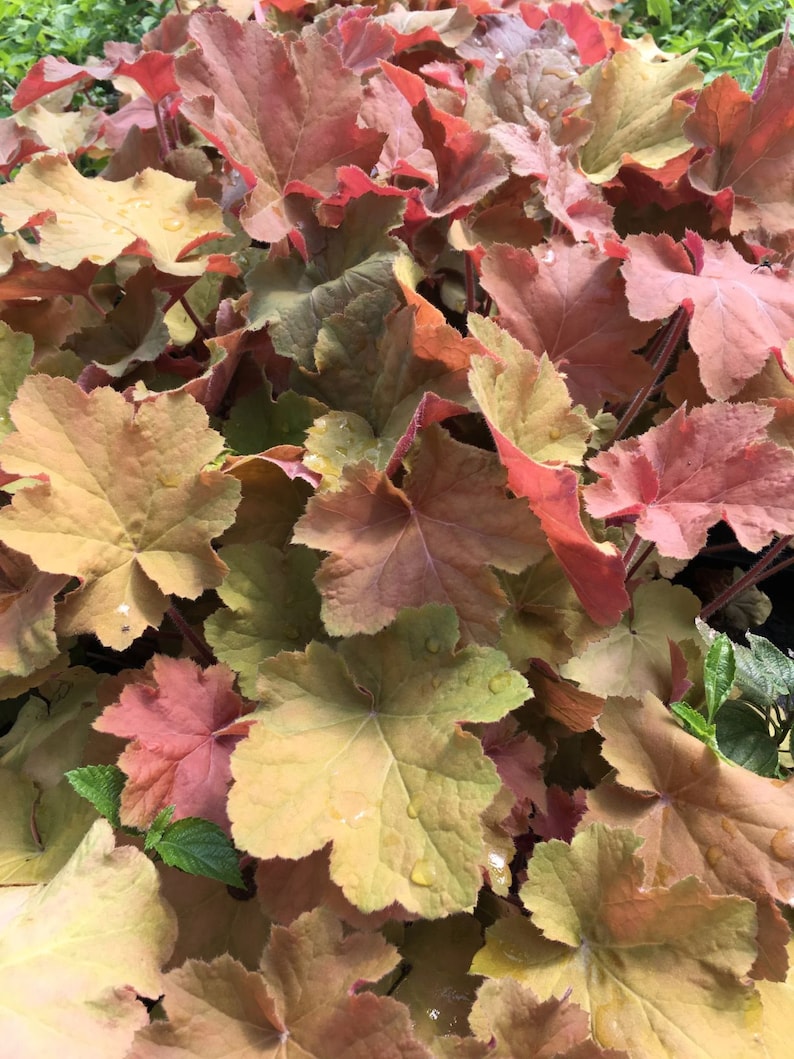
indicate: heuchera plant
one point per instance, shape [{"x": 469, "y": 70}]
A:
[{"x": 371, "y": 379}]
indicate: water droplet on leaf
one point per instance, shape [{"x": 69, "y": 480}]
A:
[
  {"x": 713, "y": 855},
  {"x": 352, "y": 808},
  {"x": 172, "y": 224},
  {"x": 728, "y": 826},
  {"x": 501, "y": 682},
  {"x": 783, "y": 844},
  {"x": 415, "y": 805},
  {"x": 432, "y": 645},
  {"x": 423, "y": 873}
]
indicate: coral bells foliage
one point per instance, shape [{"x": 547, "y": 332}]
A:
[{"x": 372, "y": 381}]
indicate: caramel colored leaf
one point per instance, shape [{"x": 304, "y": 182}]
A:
[
  {"x": 128, "y": 508},
  {"x": 305, "y": 1001},
  {"x": 77, "y": 950},
  {"x": 635, "y": 111},
  {"x": 697, "y": 814},
  {"x": 634, "y": 657},
  {"x": 16, "y": 351},
  {"x": 362, "y": 747},
  {"x": 27, "y": 614},
  {"x": 659, "y": 970},
  {"x": 79, "y": 218},
  {"x": 510, "y": 1015},
  {"x": 428, "y": 541}
]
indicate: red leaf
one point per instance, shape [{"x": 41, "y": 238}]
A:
[
  {"x": 263, "y": 100},
  {"x": 183, "y": 726},
  {"x": 568, "y": 301},
  {"x": 738, "y": 315},
  {"x": 595, "y": 38},
  {"x": 682, "y": 477}
]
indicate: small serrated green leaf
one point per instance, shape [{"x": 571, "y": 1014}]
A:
[
  {"x": 719, "y": 671},
  {"x": 158, "y": 827},
  {"x": 697, "y": 725},
  {"x": 102, "y": 786},
  {"x": 200, "y": 847},
  {"x": 742, "y": 735}
]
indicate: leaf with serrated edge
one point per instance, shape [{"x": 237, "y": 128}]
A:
[
  {"x": 697, "y": 814},
  {"x": 76, "y": 952},
  {"x": 362, "y": 747},
  {"x": 128, "y": 508},
  {"x": 658, "y": 969},
  {"x": 305, "y": 1002}
]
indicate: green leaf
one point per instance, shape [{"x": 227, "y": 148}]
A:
[
  {"x": 719, "y": 671},
  {"x": 763, "y": 673},
  {"x": 158, "y": 827},
  {"x": 694, "y": 722},
  {"x": 200, "y": 847},
  {"x": 102, "y": 786},
  {"x": 742, "y": 735}
]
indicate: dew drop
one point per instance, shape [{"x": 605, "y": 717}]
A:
[
  {"x": 551, "y": 113},
  {"x": 713, "y": 855},
  {"x": 554, "y": 434},
  {"x": 172, "y": 224},
  {"x": 500, "y": 56},
  {"x": 498, "y": 869},
  {"x": 501, "y": 682},
  {"x": 549, "y": 257},
  {"x": 138, "y": 204},
  {"x": 541, "y": 104},
  {"x": 432, "y": 645},
  {"x": 783, "y": 844},
  {"x": 114, "y": 228},
  {"x": 424, "y": 873},
  {"x": 555, "y": 71},
  {"x": 415, "y": 805},
  {"x": 352, "y": 808},
  {"x": 96, "y": 259},
  {"x": 436, "y": 682},
  {"x": 728, "y": 826}
]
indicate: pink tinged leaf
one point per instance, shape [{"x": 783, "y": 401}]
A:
[
  {"x": 738, "y": 315},
  {"x": 569, "y": 302},
  {"x": 684, "y": 476},
  {"x": 263, "y": 100},
  {"x": 183, "y": 728}
]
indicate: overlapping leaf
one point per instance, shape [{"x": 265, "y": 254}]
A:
[
  {"x": 82, "y": 218},
  {"x": 183, "y": 727},
  {"x": 361, "y": 747},
  {"x": 698, "y": 815},
  {"x": 684, "y": 476},
  {"x": 427, "y": 542},
  {"x": 263, "y": 100},
  {"x": 78, "y": 950},
  {"x": 305, "y": 1000},
  {"x": 658, "y": 969},
  {"x": 127, "y": 508},
  {"x": 738, "y": 315}
]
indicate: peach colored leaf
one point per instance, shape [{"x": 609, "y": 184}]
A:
[
  {"x": 659, "y": 970},
  {"x": 183, "y": 726},
  {"x": 511, "y": 1016},
  {"x": 362, "y": 747},
  {"x": 77, "y": 218},
  {"x": 77, "y": 950},
  {"x": 634, "y": 657},
  {"x": 698, "y": 815},
  {"x": 272, "y": 606},
  {"x": 27, "y": 614},
  {"x": 551, "y": 489},
  {"x": 737, "y": 315},
  {"x": 684, "y": 476},
  {"x": 263, "y": 100},
  {"x": 305, "y": 1002},
  {"x": 134, "y": 522},
  {"x": 428, "y": 541},
  {"x": 569, "y": 302},
  {"x": 748, "y": 143},
  {"x": 637, "y": 112}
]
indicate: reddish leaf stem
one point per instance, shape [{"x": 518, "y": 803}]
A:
[
  {"x": 191, "y": 636},
  {"x": 639, "y": 560},
  {"x": 631, "y": 549},
  {"x": 202, "y": 330},
  {"x": 756, "y": 573},
  {"x": 471, "y": 301},
  {"x": 165, "y": 146},
  {"x": 671, "y": 335}
]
